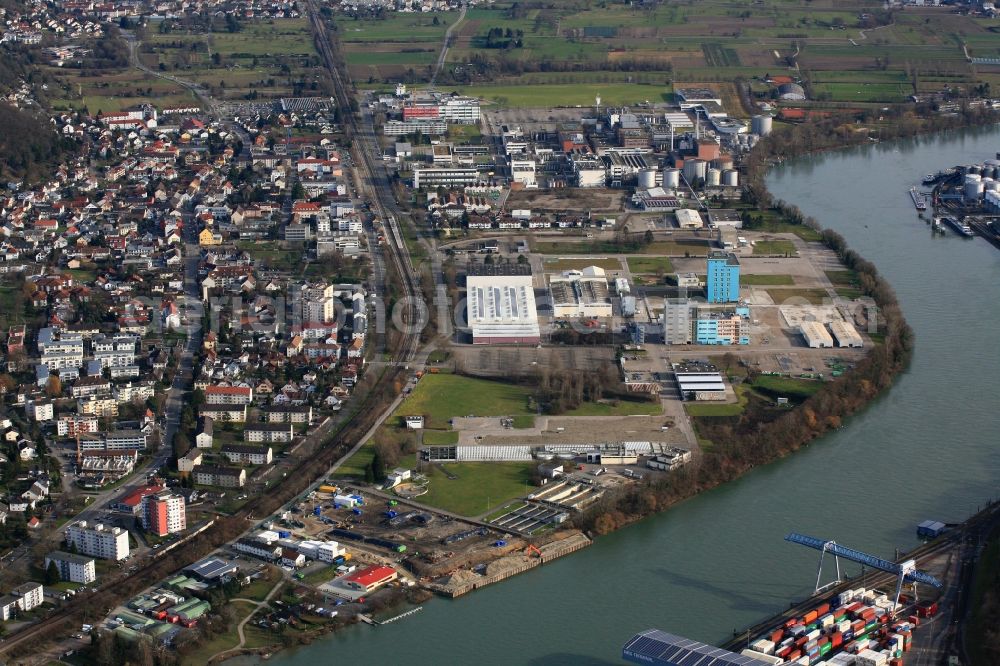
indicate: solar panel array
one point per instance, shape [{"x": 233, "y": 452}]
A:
[{"x": 658, "y": 647}]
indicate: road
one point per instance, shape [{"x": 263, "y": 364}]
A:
[{"x": 446, "y": 45}]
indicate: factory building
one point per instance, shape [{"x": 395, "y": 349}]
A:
[
  {"x": 432, "y": 177},
  {"x": 720, "y": 328},
  {"x": 815, "y": 334},
  {"x": 846, "y": 335},
  {"x": 699, "y": 384},
  {"x": 677, "y": 321},
  {"x": 688, "y": 219},
  {"x": 723, "y": 281},
  {"x": 501, "y": 304},
  {"x": 580, "y": 293}
]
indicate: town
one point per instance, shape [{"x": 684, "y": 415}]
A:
[{"x": 278, "y": 356}]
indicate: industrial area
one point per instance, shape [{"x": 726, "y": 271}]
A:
[
  {"x": 965, "y": 199},
  {"x": 878, "y": 617}
]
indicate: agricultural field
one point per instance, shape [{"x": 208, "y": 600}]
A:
[
  {"x": 267, "y": 59},
  {"x": 843, "y": 52}
]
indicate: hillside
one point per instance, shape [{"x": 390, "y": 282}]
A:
[{"x": 28, "y": 145}]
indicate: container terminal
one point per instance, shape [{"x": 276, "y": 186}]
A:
[
  {"x": 866, "y": 620},
  {"x": 966, "y": 199}
]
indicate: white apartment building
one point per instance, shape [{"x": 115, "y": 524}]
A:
[
  {"x": 28, "y": 595},
  {"x": 72, "y": 567},
  {"x": 98, "y": 540}
]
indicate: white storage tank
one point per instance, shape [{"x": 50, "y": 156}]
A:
[
  {"x": 973, "y": 186},
  {"x": 991, "y": 186},
  {"x": 761, "y": 125},
  {"x": 647, "y": 179},
  {"x": 695, "y": 168},
  {"x": 731, "y": 178},
  {"x": 671, "y": 179},
  {"x": 713, "y": 177}
]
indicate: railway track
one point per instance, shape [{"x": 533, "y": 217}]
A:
[{"x": 339, "y": 442}]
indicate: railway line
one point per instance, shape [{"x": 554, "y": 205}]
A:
[{"x": 338, "y": 443}]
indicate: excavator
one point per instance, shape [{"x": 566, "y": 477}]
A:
[{"x": 532, "y": 550}]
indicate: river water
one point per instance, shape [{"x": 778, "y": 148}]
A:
[{"x": 927, "y": 449}]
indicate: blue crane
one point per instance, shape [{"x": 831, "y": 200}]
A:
[{"x": 905, "y": 571}]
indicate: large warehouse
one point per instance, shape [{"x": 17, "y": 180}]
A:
[
  {"x": 845, "y": 334},
  {"x": 815, "y": 334},
  {"x": 581, "y": 293},
  {"x": 501, "y": 304},
  {"x": 662, "y": 649}
]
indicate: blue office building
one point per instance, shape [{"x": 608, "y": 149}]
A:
[{"x": 723, "y": 282}]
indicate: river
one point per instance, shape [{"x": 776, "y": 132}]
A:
[{"x": 719, "y": 562}]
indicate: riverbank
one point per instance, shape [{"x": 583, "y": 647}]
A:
[{"x": 678, "y": 556}]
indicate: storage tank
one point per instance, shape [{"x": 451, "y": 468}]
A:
[
  {"x": 760, "y": 125},
  {"x": 545, "y": 455},
  {"x": 973, "y": 186},
  {"x": 713, "y": 177},
  {"x": 671, "y": 178},
  {"x": 974, "y": 169},
  {"x": 647, "y": 178},
  {"x": 992, "y": 186},
  {"x": 694, "y": 169},
  {"x": 988, "y": 172},
  {"x": 731, "y": 178},
  {"x": 723, "y": 162}
]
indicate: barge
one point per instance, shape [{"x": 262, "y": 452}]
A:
[{"x": 919, "y": 199}]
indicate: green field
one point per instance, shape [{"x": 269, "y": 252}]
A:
[
  {"x": 762, "y": 280},
  {"x": 617, "y": 408},
  {"x": 845, "y": 283},
  {"x": 790, "y": 296},
  {"x": 576, "y": 94},
  {"x": 439, "y": 437},
  {"x": 444, "y": 396},
  {"x": 479, "y": 487},
  {"x": 774, "y": 247},
  {"x": 786, "y": 387},
  {"x": 654, "y": 265},
  {"x": 716, "y": 409},
  {"x": 390, "y": 57}
]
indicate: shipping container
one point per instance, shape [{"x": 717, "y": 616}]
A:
[
  {"x": 809, "y": 617},
  {"x": 823, "y": 609},
  {"x": 776, "y": 635}
]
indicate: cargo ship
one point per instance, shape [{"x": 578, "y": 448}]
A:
[
  {"x": 961, "y": 227},
  {"x": 919, "y": 199},
  {"x": 852, "y": 627}
]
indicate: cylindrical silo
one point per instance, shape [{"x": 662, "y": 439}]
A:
[
  {"x": 723, "y": 162},
  {"x": 973, "y": 186},
  {"x": 694, "y": 168},
  {"x": 647, "y": 178},
  {"x": 760, "y": 125},
  {"x": 713, "y": 177},
  {"x": 974, "y": 169},
  {"x": 731, "y": 178},
  {"x": 988, "y": 172},
  {"x": 992, "y": 186},
  {"x": 671, "y": 178}
]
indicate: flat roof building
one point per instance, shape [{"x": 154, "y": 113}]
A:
[
  {"x": 501, "y": 304},
  {"x": 658, "y": 648},
  {"x": 723, "y": 280},
  {"x": 72, "y": 567}
]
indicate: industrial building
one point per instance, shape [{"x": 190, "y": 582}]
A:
[
  {"x": 370, "y": 578},
  {"x": 845, "y": 334},
  {"x": 447, "y": 176},
  {"x": 658, "y": 648},
  {"x": 815, "y": 334},
  {"x": 720, "y": 328},
  {"x": 677, "y": 321},
  {"x": 689, "y": 219},
  {"x": 723, "y": 278},
  {"x": 501, "y": 304},
  {"x": 423, "y": 126},
  {"x": 697, "y": 382},
  {"x": 580, "y": 293}
]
